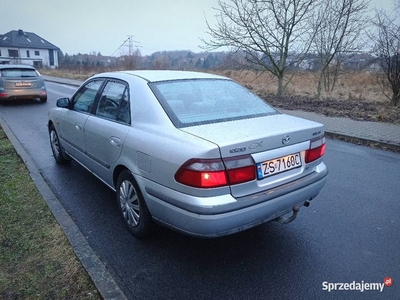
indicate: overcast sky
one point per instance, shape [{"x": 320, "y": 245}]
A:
[{"x": 102, "y": 26}]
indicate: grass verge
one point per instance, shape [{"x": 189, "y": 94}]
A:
[{"x": 36, "y": 259}]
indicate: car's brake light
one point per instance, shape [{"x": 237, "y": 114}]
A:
[
  {"x": 202, "y": 173},
  {"x": 240, "y": 169},
  {"x": 212, "y": 173},
  {"x": 317, "y": 150}
]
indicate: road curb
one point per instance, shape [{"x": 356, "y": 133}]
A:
[
  {"x": 97, "y": 271},
  {"x": 363, "y": 141},
  {"x": 65, "y": 81}
]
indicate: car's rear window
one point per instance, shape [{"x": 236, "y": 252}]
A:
[
  {"x": 204, "y": 101},
  {"x": 18, "y": 72}
]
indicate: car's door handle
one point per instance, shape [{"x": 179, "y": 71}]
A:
[
  {"x": 115, "y": 141},
  {"x": 79, "y": 126}
]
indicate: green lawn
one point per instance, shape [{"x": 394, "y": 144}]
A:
[{"x": 36, "y": 259}]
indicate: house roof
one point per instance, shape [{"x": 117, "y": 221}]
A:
[{"x": 22, "y": 39}]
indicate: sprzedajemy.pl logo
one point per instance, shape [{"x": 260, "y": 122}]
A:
[{"x": 357, "y": 286}]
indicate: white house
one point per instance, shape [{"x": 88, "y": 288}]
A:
[{"x": 20, "y": 47}]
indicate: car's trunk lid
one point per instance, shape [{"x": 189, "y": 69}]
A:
[
  {"x": 257, "y": 134},
  {"x": 264, "y": 138},
  {"x": 20, "y": 83}
]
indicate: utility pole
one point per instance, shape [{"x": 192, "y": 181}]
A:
[{"x": 131, "y": 43}]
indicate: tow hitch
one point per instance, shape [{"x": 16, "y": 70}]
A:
[{"x": 286, "y": 220}]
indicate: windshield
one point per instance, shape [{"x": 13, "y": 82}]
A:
[
  {"x": 18, "y": 72},
  {"x": 204, "y": 101}
]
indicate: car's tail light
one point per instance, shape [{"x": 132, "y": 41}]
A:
[
  {"x": 317, "y": 150},
  {"x": 202, "y": 173},
  {"x": 240, "y": 169},
  {"x": 212, "y": 173}
]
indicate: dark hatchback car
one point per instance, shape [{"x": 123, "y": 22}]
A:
[{"x": 21, "y": 82}]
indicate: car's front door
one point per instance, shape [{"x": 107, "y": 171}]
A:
[
  {"x": 72, "y": 125},
  {"x": 107, "y": 128}
]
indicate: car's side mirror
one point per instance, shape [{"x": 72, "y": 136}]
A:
[{"x": 63, "y": 102}]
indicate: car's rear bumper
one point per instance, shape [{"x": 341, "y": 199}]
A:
[
  {"x": 234, "y": 216},
  {"x": 22, "y": 94}
]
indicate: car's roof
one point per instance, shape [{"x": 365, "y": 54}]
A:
[
  {"x": 17, "y": 66},
  {"x": 160, "y": 75}
]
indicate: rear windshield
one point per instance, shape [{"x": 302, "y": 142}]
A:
[
  {"x": 204, "y": 101},
  {"x": 18, "y": 72}
]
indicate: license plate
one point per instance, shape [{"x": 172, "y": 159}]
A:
[
  {"x": 23, "y": 84},
  {"x": 278, "y": 165}
]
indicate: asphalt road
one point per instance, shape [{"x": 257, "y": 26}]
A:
[{"x": 349, "y": 234}]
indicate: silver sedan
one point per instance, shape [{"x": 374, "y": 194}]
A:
[{"x": 195, "y": 152}]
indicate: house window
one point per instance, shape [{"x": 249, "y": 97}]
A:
[
  {"x": 28, "y": 54},
  {"x": 37, "y": 53},
  {"x": 12, "y": 53}
]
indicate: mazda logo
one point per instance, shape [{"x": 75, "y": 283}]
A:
[{"x": 286, "y": 139}]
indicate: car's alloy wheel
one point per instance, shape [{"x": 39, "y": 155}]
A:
[
  {"x": 132, "y": 206},
  {"x": 129, "y": 202},
  {"x": 56, "y": 146}
]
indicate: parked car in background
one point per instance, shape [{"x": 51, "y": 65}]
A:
[
  {"x": 195, "y": 152},
  {"x": 21, "y": 82}
]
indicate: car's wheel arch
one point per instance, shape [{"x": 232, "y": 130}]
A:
[
  {"x": 58, "y": 152},
  {"x": 117, "y": 171},
  {"x": 49, "y": 124}
]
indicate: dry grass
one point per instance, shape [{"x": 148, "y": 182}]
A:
[
  {"x": 357, "y": 94},
  {"x": 71, "y": 74},
  {"x": 351, "y": 86}
]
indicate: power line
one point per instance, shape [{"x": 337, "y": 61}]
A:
[{"x": 130, "y": 45}]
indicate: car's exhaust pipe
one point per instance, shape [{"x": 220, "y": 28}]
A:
[{"x": 286, "y": 220}]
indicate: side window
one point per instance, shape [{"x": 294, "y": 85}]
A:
[
  {"x": 114, "y": 102},
  {"x": 83, "y": 101}
]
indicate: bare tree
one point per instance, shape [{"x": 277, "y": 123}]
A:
[
  {"x": 387, "y": 48},
  {"x": 130, "y": 62},
  {"x": 339, "y": 25},
  {"x": 161, "y": 61},
  {"x": 273, "y": 35}
]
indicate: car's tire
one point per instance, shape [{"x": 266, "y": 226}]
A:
[
  {"x": 43, "y": 99},
  {"x": 58, "y": 152},
  {"x": 132, "y": 206}
]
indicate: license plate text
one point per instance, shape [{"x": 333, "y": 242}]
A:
[{"x": 278, "y": 165}]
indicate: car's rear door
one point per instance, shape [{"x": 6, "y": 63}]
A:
[{"x": 107, "y": 128}]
